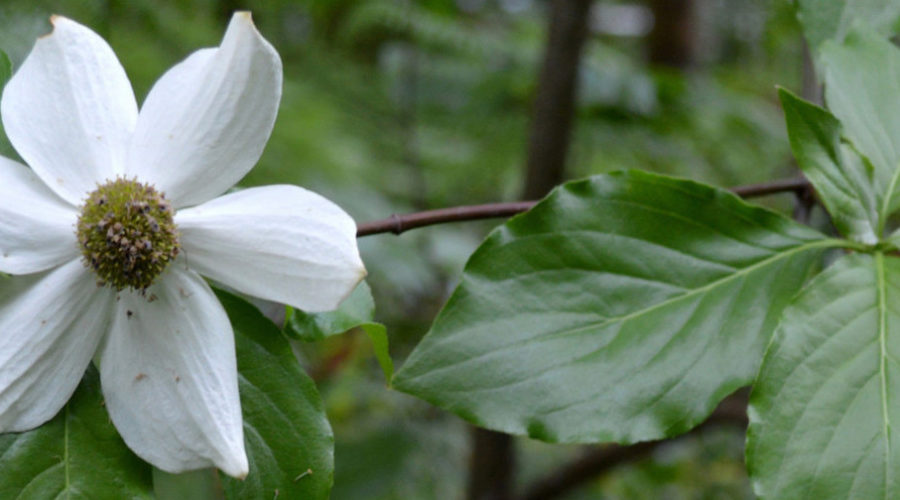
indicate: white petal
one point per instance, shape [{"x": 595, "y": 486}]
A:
[
  {"x": 50, "y": 326},
  {"x": 280, "y": 243},
  {"x": 169, "y": 375},
  {"x": 69, "y": 110},
  {"x": 206, "y": 121},
  {"x": 37, "y": 228}
]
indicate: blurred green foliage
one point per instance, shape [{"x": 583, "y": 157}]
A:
[{"x": 398, "y": 105}]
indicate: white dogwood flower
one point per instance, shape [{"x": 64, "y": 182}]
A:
[{"x": 109, "y": 231}]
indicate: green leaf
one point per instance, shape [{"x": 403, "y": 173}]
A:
[
  {"x": 6, "y": 148},
  {"x": 862, "y": 87},
  {"x": 832, "y": 19},
  {"x": 202, "y": 484},
  {"x": 5, "y": 69},
  {"x": 77, "y": 454},
  {"x": 378, "y": 336},
  {"x": 821, "y": 410},
  {"x": 844, "y": 186},
  {"x": 357, "y": 310},
  {"x": 894, "y": 239},
  {"x": 288, "y": 437},
  {"x": 621, "y": 308}
]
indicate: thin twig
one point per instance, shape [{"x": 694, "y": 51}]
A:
[
  {"x": 794, "y": 185},
  {"x": 399, "y": 223}
]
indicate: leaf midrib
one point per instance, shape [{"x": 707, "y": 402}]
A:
[
  {"x": 882, "y": 333},
  {"x": 823, "y": 243}
]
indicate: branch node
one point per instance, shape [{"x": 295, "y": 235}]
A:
[{"x": 397, "y": 222}]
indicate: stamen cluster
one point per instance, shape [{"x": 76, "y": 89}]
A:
[{"x": 127, "y": 234}]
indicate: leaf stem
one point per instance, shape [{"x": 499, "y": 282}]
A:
[{"x": 854, "y": 245}]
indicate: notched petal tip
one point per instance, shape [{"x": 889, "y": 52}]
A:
[
  {"x": 242, "y": 24},
  {"x": 54, "y": 18},
  {"x": 56, "y": 21},
  {"x": 361, "y": 274},
  {"x": 242, "y": 18},
  {"x": 238, "y": 470}
]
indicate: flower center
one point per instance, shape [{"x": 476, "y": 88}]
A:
[{"x": 127, "y": 234}]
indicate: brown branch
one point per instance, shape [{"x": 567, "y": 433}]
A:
[
  {"x": 795, "y": 185},
  {"x": 400, "y": 223},
  {"x": 601, "y": 460}
]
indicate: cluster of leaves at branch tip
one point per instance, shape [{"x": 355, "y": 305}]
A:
[{"x": 127, "y": 234}]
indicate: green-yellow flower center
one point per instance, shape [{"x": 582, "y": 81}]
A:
[{"x": 127, "y": 234}]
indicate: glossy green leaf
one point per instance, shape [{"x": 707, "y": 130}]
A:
[
  {"x": 621, "y": 308},
  {"x": 288, "y": 437},
  {"x": 862, "y": 88},
  {"x": 832, "y": 19},
  {"x": 78, "y": 455},
  {"x": 357, "y": 310},
  {"x": 844, "y": 185},
  {"x": 822, "y": 407}
]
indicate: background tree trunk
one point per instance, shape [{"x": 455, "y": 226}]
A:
[
  {"x": 554, "y": 104},
  {"x": 673, "y": 41},
  {"x": 491, "y": 465},
  {"x": 493, "y": 456}
]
